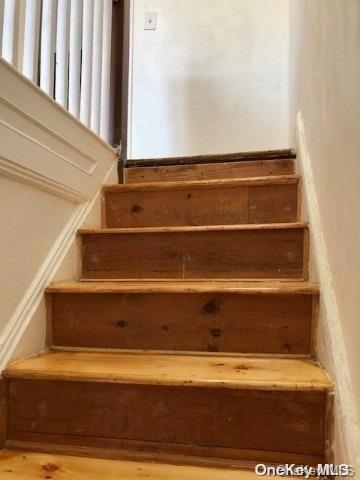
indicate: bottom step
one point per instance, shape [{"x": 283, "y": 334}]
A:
[
  {"x": 38, "y": 466},
  {"x": 228, "y": 408}
]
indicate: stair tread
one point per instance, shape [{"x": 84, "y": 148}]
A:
[
  {"x": 23, "y": 465},
  {"x": 189, "y": 229},
  {"x": 231, "y": 182},
  {"x": 175, "y": 370},
  {"x": 173, "y": 286}
]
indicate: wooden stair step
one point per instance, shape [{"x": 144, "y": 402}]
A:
[
  {"x": 214, "y": 158},
  {"x": 140, "y": 173},
  {"x": 233, "y": 409},
  {"x": 272, "y": 251},
  {"x": 233, "y": 317},
  {"x": 183, "y": 286},
  {"x": 178, "y": 370},
  {"x": 211, "y": 202},
  {"x": 24, "y": 465}
]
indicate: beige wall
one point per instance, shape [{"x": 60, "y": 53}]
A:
[
  {"x": 212, "y": 78},
  {"x": 31, "y": 221},
  {"x": 325, "y": 88}
]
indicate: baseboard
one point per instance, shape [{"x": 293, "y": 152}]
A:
[
  {"x": 331, "y": 347},
  {"x": 28, "y": 305}
]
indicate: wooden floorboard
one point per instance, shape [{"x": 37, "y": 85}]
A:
[{"x": 24, "y": 465}]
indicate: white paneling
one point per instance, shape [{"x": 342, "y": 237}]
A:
[{"x": 39, "y": 136}]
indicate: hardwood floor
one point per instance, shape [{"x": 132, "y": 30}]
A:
[{"x": 40, "y": 466}]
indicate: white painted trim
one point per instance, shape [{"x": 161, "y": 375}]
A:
[
  {"x": 30, "y": 177},
  {"x": 45, "y": 128},
  {"x": 33, "y": 140},
  {"x": 36, "y": 90},
  {"x": 43, "y": 145},
  {"x": 331, "y": 329},
  {"x": 26, "y": 308}
]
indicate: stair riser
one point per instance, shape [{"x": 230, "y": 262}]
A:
[
  {"x": 201, "y": 206},
  {"x": 232, "y": 424},
  {"x": 204, "y": 322},
  {"x": 237, "y": 254},
  {"x": 209, "y": 171}
]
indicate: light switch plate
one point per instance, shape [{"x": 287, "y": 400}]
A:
[{"x": 150, "y": 20}]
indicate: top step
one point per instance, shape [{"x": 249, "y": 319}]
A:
[{"x": 215, "y": 167}]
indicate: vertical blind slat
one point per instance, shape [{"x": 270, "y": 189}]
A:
[
  {"x": 105, "y": 70},
  {"x": 62, "y": 53},
  {"x": 2, "y": 5},
  {"x": 48, "y": 36},
  {"x": 8, "y": 34},
  {"x": 74, "y": 56},
  {"x": 31, "y": 39},
  {"x": 86, "y": 64},
  {"x": 96, "y": 67}
]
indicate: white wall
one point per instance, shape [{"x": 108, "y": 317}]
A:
[
  {"x": 325, "y": 86},
  {"x": 213, "y": 77}
]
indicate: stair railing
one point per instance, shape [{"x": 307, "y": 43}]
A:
[{"x": 64, "y": 46}]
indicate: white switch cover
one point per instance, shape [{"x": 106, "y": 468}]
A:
[{"x": 150, "y": 20}]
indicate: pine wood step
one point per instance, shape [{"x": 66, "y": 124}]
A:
[
  {"x": 24, "y": 465},
  {"x": 211, "y": 202},
  {"x": 233, "y": 317},
  {"x": 276, "y": 251},
  {"x": 225, "y": 408},
  {"x": 209, "y": 171},
  {"x": 173, "y": 370}
]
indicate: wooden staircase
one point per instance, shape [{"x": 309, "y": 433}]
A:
[{"x": 190, "y": 337}]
